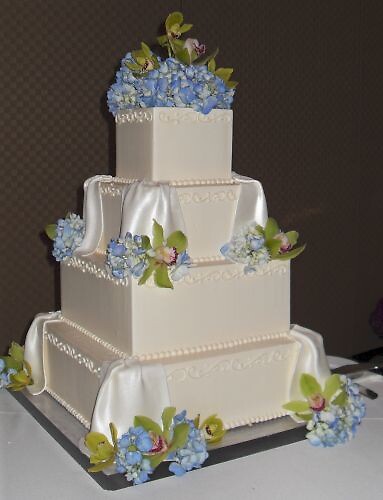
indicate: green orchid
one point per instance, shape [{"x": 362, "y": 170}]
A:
[
  {"x": 102, "y": 452},
  {"x": 162, "y": 254},
  {"x": 174, "y": 28},
  {"x": 280, "y": 245},
  {"x": 188, "y": 51},
  {"x": 165, "y": 441},
  {"x": 317, "y": 399},
  {"x": 144, "y": 60},
  {"x": 212, "y": 428},
  {"x": 223, "y": 73},
  {"x": 21, "y": 375}
]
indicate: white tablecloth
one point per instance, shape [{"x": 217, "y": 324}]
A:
[{"x": 34, "y": 467}]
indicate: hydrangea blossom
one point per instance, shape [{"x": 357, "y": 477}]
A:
[
  {"x": 5, "y": 375},
  {"x": 173, "y": 84},
  {"x": 193, "y": 454},
  {"x": 69, "y": 235},
  {"x": 337, "y": 424},
  {"x": 129, "y": 458},
  {"x": 182, "y": 266},
  {"x": 126, "y": 257},
  {"x": 248, "y": 248}
]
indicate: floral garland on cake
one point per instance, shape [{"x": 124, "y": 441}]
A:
[
  {"x": 137, "y": 453},
  {"x": 332, "y": 413},
  {"x": 187, "y": 78},
  {"x": 255, "y": 245},
  {"x": 15, "y": 371},
  {"x": 67, "y": 235},
  {"x": 164, "y": 258}
]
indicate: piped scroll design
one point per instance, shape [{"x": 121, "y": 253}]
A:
[
  {"x": 134, "y": 116},
  {"x": 226, "y": 365},
  {"x": 176, "y": 117}
]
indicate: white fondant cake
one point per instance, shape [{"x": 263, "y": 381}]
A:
[{"x": 221, "y": 341}]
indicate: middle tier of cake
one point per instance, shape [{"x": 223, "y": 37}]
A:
[{"x": 214, "y": 304}]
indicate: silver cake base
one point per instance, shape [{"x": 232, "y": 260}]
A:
[{"x": 239, "y": 442}]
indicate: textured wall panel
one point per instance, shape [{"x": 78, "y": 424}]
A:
[{"x": 308, "y": 118}]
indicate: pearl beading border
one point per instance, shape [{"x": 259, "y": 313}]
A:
[
  {"x": 187, "y": 351},
  {"x": 174, "y": 116},
  {"x": 253, "y": 420},
  {"x": 71, "y": 351},
  {"x": 68, "y": 408}
]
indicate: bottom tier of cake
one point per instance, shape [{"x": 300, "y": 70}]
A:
[{"x": 244, "y": 381}]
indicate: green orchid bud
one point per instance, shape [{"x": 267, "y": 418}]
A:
[{"x": 213, "y": 429}]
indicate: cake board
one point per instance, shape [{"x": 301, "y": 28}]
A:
[{"x": 240, "y": 442}]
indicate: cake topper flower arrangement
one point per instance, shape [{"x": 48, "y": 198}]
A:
[
  {"x": 254, "y": 246},
  {"x": 164, "y": 258},
  {"x": 187, "y": 78},
  {"x": 137, "y": 453}
]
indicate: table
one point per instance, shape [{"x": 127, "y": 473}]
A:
[{"x": 34, "y": 467}]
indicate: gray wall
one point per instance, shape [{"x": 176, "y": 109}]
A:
[{"x": 308, "y": 124}]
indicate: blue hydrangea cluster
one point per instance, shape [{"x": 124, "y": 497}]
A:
[
  {"x": 193, "y": 454},
  {"x": 126, "y": 257},
  {"x": 5, "y": 374},
  {"x": 173, "y": 84},
  {"x": 69, "y": 235},
  {"x": 129, "y": 457},
  {"x": 248, "y": 248},
  {"x": 337, "y": 424}
]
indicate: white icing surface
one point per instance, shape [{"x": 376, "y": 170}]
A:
[
  {"x": 171, "y": 143},
  {"x": 206, "y": 307}
]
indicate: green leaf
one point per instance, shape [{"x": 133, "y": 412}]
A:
[
  {"x": 134, "y": 67},
  {"x": 12, "y": 363},
  {"x": 183, "y": 56},
  {"x": 341, "y": 399},
  {"x": 273, "y": 246},
  {"x": 146, "y": 242},
  {"x": 211, "y": 65},
  {"x": 167, "y": 417},
  {"x": 113, "y": 433},
  {"x": 50, "y": 231},
  {"x": 332, "y": 385},
  {"x": 146, "y": 50},
  {"x": 148, "y": 424},
  {"x": 309, "y": 385},
  {"x": 162, "y": 40},
  {"x": 93, "y": 440},
  {"x": 101, "y": 465},
  {"x": 292, "y": 236},
  {"x": 158, "y": 235},
  {"x": 172, "y": 19},
  {"x": 16, "y": 351},
  {"x": 180, "y": 436},
  {"x": 177, "y": 240},
  {"x": 271, "y": 228},
  {"x": 185, "y": 27},
  {"x": 155, "y": 460},
  {"x": 292, "y": 254},
  {"x": 297, "y": 406},
  {"x": 148, "y": 272},
  {"x": 161, "y": 277},
  {"x": 231, "y": 84},
  {"x": 304, "y": 416},
  {"x": 224, "y": 73},
  {"x": 205, "y": 59}
]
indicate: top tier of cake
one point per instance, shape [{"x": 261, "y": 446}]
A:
[{"x": 162, "y": 144}]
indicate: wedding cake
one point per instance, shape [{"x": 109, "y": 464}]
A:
[{"x": 175, "y": 285}]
